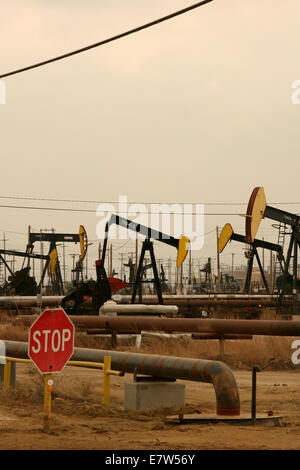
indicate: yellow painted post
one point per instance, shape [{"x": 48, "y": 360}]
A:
[
  {"x": 7, "y": 374},
  {"x": 106, "y": 380},
  {"x": 47, "y": 401}
]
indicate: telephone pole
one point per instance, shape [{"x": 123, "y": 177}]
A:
[
  {"x": 218, "y": 262},
  {"x": 73, "y": 256},
  {"x": 4, "y": 240}
]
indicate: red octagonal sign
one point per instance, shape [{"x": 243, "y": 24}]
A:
[{"x": 51, "y": 340}]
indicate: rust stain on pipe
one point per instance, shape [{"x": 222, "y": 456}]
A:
[{"x": 215, "y": 372}]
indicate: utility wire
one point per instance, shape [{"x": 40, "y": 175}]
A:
[
  {"x": 106, "y": 41},
  {"x": 84, "y": 201},
  {"x": 68, "y": 209}
]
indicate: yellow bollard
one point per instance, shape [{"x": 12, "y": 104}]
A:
[
  {"x": 7, "y": 374},
  {"x": 106, "y": 380},
  {"x": 48, "y": 382}
]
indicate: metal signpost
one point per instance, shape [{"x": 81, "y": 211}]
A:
[{"x": 50, "y": 346}]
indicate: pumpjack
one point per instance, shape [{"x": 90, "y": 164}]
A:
[
  {"x": 52, "y": 260},
  {"x": 20, "y": 282},
  {"x": 227, "y": 234},
  {"x": 100, "y": 290},
  {"x": 289, "y": 224}
]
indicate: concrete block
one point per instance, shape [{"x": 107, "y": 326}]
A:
[{"x": 154, "y": 395}]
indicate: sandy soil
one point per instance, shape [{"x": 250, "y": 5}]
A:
[{"x": 80, "y": 421}]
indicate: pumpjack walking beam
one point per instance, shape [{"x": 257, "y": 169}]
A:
[
  {"x": 180, "y": 244},
  {"x": 18, "y": 253},
  {"x": 227, "y": 234},
  {"x": 256, "y": 211}
]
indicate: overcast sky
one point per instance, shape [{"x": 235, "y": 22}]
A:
[{"x": 196, "y": 109}]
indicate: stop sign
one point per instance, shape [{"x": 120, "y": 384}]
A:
[{"x": 51, "y": 340}]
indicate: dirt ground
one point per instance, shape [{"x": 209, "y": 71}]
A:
[{"x": 80, "y": 421}]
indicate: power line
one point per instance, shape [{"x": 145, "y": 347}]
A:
[
  {"x": 106, "y": 41},
  {"x": 85, "y": 201},
  {"x": 69, "y": 209}
]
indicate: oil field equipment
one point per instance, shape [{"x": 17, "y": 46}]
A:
[
  {"x": 100, "y": 290},
  {"x": 257, "y": 210},
  {"x": 20, "y": 282},
  {"x": 52, "y": 265},
  {"x": 208, "y": 284},
  {"x": 180, "y": 244},
  {"x": 227, "y": 234}
]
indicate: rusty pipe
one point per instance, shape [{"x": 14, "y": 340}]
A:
[
  {"x": 186, "y": 325},
  {"x": 192, "y": 325},
  {"x": 212, "y": 295},
  {"x": 165, "y": 367},
  {"x": 28, "y": 301},
  {"x": 221, "y": 302}
]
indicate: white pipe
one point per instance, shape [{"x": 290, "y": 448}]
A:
[
  {"x": 32, "y": 298},
  {"x": 112, "y": 307},
  {"x": 139, "y": 338}
]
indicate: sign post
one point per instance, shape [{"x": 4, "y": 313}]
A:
[{"x": 50, "y": 346}]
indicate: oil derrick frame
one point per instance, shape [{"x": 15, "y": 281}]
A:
[
  {"x": 208, "y": 275},
  {"x": 227, "y": 234},
  {"x": 256, "y": 211}
]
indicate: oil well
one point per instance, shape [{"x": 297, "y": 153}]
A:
[{"x": 207, "y": 294}]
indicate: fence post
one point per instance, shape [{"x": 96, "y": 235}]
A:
[
  {"x": 255, "y": 369},
  {"x": 106, "y": 380},
  {"x": 7, "y": 374}
]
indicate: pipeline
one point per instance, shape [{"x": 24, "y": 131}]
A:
[
  {"x": 210, "y": 300},
  {"x": 29, "y": 301},
  {"x": 238, "y": 300},
  {"x": 213, "y": 295},
  {"x": 165, "y": 367},
  {"x": 111, "y": 307},
  {"x": 186, "y": 325}
]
